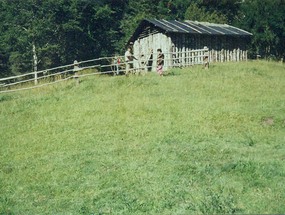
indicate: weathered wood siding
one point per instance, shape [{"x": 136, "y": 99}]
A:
[
  {"x": 221, "y": 48},
  {"x": 146, "y": 46}
]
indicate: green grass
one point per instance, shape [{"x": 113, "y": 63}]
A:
[{"x": 195, "y": 141}]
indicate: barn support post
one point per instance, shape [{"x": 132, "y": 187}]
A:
[
  {"x": 228, "y": 55},
  {"x": 168, "y": 55},
  {"x": 238, "y": 54},
  {"x": 222, "y": 55},
  {"x": 171, "y": 56},
  {"x": 183, "y": 51},
  {"x": 205, "y": 54}
]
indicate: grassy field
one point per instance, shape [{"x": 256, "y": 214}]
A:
[{"x": 193, "y": 142}]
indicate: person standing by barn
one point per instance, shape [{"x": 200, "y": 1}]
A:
[
  {"x": 129, "y": 61},
  {"x": 160, "y": 62}
]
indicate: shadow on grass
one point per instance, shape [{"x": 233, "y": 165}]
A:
[
  {"x": 6, "y": 97},
  {"x": 172, "y": 73}
]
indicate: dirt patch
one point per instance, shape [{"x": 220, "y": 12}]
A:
[{"x": 268, "y": 121}]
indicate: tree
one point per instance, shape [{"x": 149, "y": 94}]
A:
[
  {"x": 133, "y": 14},
  {"x": 136, "y": 11},
  {"x": 173, "y": 9},
  {"x": 199, "y": 13},
  {"x": 267, "y": 23},
  {"x": 39, "y": 34},
  {"x": 27, "y": 27},
  {"x": 228, "y": 10}
]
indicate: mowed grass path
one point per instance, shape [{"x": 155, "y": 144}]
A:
[{"x": 194, "y": 141}]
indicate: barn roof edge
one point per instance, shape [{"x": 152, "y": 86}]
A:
[{"x": 189, "y": 27}]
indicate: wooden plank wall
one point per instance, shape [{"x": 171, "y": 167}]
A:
[
  {"x": 145, "y": 46},
  {"x": 221, "y": 48},
  {"x": 226, "y": 48}
]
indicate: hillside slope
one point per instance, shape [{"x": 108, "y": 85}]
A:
[{"x": 194, "y": 141}]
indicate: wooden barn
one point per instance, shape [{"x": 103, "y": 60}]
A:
[{"x": 179, "y": 40}]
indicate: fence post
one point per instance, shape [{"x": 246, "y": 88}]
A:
[
  {"x": 76, "y": 68},
  {"x": 36, "y": 77}
]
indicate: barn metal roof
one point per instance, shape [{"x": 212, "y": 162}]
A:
[
  {"x": 197, "y": 27},
  {"x": 191, "y": 27}
]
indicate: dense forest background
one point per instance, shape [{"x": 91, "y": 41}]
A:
[{"x": 50, "y": 33}]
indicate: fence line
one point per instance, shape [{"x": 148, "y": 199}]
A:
[
  {"x": 36, "y": 86},
  {"x": 104, "y": 65}
]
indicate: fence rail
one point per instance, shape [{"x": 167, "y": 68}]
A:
[{"x": 105, "y": 65}]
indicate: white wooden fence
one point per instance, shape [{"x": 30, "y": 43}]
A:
[{"x": 106, "y": 65}]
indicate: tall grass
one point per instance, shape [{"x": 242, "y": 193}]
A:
[{"x": 193, "y": 141}]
